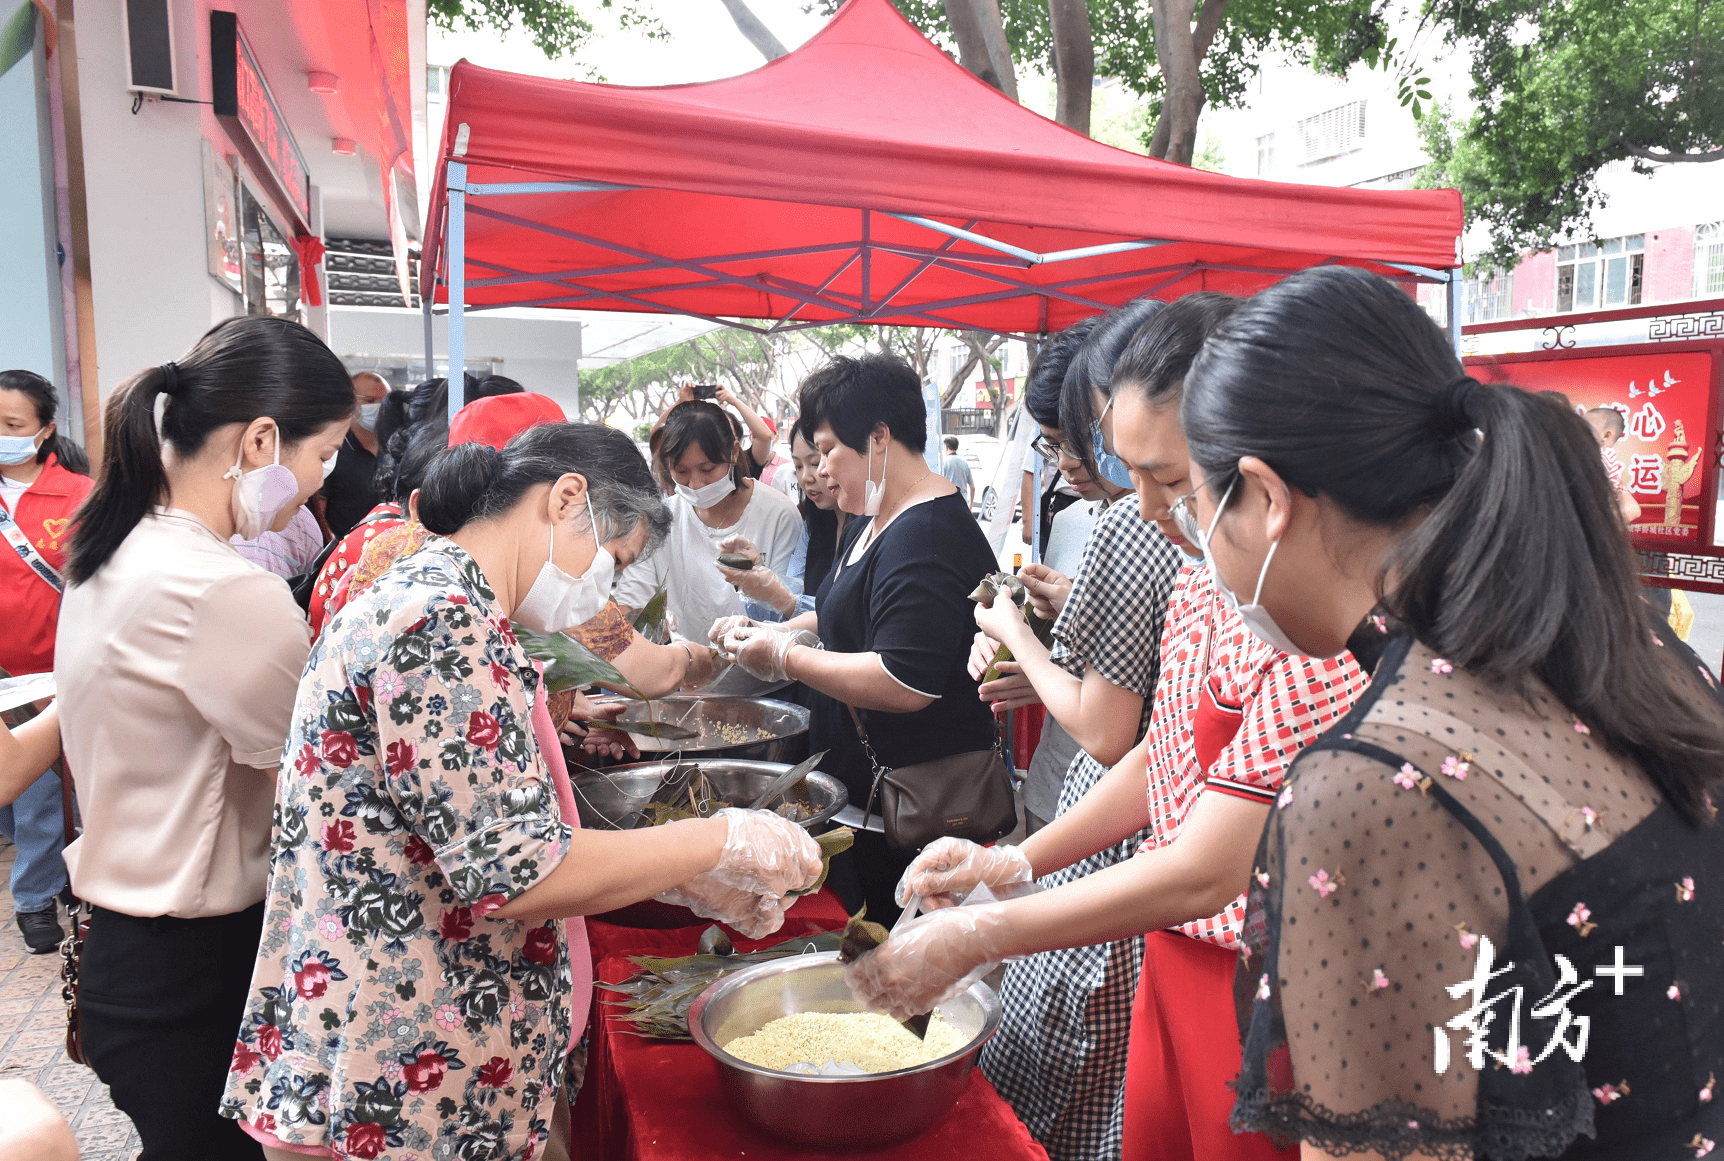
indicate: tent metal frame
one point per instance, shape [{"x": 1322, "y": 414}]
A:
[{"x": 992, "y": 264}]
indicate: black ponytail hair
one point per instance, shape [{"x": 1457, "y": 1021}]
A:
[
  {"x": 1160, "y": 354},
  {"x": 698, "y": 423},
  {"x": 1518, "y": 567},
  {"x": 472, "y": 481},
  {"x": 47, "y": 402},
  {"x": 242, "y": 369},
  {"x": 401, "y": 466},
  {"x": 1045, "y": 383},
  {"x": 1091, "y": 370}
]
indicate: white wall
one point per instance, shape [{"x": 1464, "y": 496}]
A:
[{"x": 31, "y": 335}]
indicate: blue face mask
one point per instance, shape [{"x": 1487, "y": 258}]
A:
[
  {"x": 1107, "y": 465},
  {"x": 16, "y": 449}
]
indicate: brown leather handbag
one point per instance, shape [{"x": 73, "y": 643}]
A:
[{"x": 966, "y": 796}]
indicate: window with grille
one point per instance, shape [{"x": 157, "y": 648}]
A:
[
  {"x": 1265, "y": 154},
  {"x": 1590, "y": 275},
  {"x": 1490, "y": 296},
  {"x": 1709, "y": 260},
  {"x": 1336, "y": 131}
]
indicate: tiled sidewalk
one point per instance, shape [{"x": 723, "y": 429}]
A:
[{"x": 32, "y": 1035}]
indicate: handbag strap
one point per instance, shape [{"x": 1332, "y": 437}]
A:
[
  {"x": 48, "y": 574},
  {"x": 873, "y": 760}
]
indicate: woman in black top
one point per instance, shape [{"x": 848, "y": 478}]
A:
[
  {"x": 891, "y": 633},
  {"x": 1522, "y": 804}
]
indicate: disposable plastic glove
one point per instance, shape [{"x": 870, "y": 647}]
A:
[
  {"x": 766, "y": 854},
  {"x": 761, "y": 649},
  {"x": 754, "y": 916},
  {"x": 931, "y": 960},
  {"x": 950, "y": 867},
  {"x": 722, "y": 628},
  {"x": 758, "y": 583}
]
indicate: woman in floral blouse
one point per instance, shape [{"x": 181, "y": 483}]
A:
[{"x": 411, "y": 994}]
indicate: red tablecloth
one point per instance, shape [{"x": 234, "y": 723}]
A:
[{"x": 652, "y": 1100}]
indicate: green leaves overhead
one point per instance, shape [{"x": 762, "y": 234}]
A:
[{"x": 1566, "y": 87}]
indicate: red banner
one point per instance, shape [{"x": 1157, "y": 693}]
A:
[{"x": 1666, "y": 401}]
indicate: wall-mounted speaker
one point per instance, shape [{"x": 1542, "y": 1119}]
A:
[{"x": 149, "y": 31}]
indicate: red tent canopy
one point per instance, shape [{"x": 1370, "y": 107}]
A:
[{"x": 864, "y": 177}]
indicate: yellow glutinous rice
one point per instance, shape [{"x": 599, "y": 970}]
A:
[{"x": 867, "y": 1040}]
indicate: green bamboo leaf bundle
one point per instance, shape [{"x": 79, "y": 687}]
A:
[{"x": 991, "y": 587}]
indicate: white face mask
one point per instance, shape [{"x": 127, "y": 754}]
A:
[
  {"x": 873, "y": 493},
  {"x": 329, "y": 464},
  {"x": 1255, "y": 616},
  {"x": 16, "y": 449},
  {"x": 708, "y": 495},
  {"x": 368, "y": 415},
  {"x": 260, "y": 494},
  {"x": 558, "y": 602}
]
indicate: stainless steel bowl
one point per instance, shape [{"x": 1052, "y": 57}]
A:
[
  {"x": 775, "y": 731},
  {"x": 859, "y": 1111},
  {"x": 616, "y": 799}
]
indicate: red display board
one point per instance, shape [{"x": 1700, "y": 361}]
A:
[{"x": 1669, "y": 396}]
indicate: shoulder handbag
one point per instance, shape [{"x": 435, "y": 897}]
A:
[
  {"x": 72, "y": 947},
  {"x": 966, "y": 796}
]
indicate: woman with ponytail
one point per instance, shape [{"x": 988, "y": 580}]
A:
[
  {"x": 422, "y": 868},
  {"x": 43, "y": 478},
  {"x": 176, "y": 666},
  {"x": 1523, "y": 802}
]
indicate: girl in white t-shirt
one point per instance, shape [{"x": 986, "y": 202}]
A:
[{"x": 715, "y": 501}]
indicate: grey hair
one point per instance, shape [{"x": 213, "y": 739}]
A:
[{"x": 474, "y": 482}]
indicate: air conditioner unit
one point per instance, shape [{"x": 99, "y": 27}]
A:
[{"x": 149, "y": 32}]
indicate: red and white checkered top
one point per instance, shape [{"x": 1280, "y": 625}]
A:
[{"x": 1286, "y": 703}]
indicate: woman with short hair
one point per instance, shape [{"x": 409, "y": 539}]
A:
[
  {"x": 420, "y": 863},
  {"x": 891, "y": 630}
]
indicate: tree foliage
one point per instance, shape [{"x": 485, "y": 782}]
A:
[
  {"x": 1328, "y": 34},
  {"x": 556, "y": 27},
  {"x": 1564, "y": 88}
]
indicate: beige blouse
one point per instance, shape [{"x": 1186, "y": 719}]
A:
[{"x": 177, "y": 666}]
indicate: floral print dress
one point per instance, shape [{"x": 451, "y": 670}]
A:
[{"x": 390, "y": 1015}]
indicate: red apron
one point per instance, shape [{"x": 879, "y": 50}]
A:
[{"x": 1184, "y": 1043}]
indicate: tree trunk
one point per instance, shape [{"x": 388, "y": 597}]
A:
[
  {"x": 982, "y": 47},
  {"x": 1179, "y": 50},
  {"x": 750, "y": 26},
  {"x": 1074, "y": 62}
]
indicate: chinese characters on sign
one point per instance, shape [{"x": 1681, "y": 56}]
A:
[
  {"x": 1666, "y": 402},
  {"x": 1481, "y": 1011}
]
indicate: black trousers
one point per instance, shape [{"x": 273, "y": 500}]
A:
[
  {"x": 868, "y": 873},
  {"x": 160, "y": 1008}
]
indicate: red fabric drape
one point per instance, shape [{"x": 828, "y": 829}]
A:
[{"x": 649, "y": 1100}]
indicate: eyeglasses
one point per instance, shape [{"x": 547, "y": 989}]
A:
[
  {"x": 1185, "y": 515},
  {"x": 1052, "y": 449}
]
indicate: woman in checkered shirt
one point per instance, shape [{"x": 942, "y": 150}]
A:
[{"x": 1230, "y": 713}]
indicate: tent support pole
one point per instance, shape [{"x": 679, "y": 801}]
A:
[
  {"x": 456, "y": 243},
  {"x": 430, "y": 349},
  {"x": 1454, "y": 303}
]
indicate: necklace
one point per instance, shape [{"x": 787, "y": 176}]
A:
[{"x": 874, "y": 529}]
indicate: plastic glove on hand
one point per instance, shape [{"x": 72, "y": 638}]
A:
[
  {"x": 982, "y": 650},
  {"x": 751, "y": 915},
  {"x": 930, "y": 960},
  {"x": 762, "y": 649},
  {"x": 951, "y": 867},
  {"x": 766, "y": 854},
  {"x": 740, "y": 546},
  {"x": 724, "y": 626}
]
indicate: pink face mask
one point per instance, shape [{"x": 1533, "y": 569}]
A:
[{"x": 260, "y": 495}]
